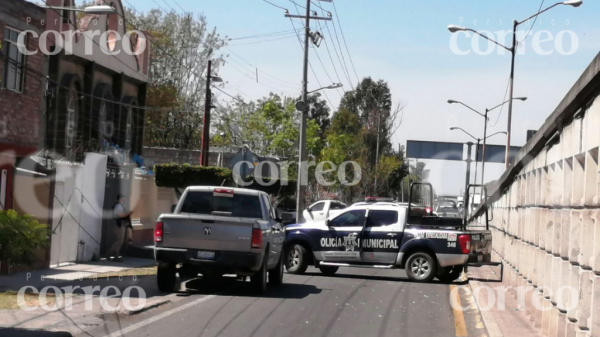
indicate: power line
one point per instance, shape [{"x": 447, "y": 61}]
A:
[
  {"x": 258, "y": 42},
  {"x": 261, "y": 71},
  {"x": 272, "y": 4},
  {"x": 175, "y": 59},
  {"x": 502, "y": 107},
  {"x": 311, "y": 67},
  {"x": 331, "y": 58},
  {"x": 344, "y": 38},
  {"x": 343, "y": 60},
  {"x": 285, "y": 32},
  {"x": 174, "y": 10},
  {"x": 178, "y": 5},
  {"x": 533, "y": 24}
]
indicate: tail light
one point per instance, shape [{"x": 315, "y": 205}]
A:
[
  {"x": 158, "y": 232},
  {"x": 257, "y": 238},
  {"x": 465, "y": 243},
  {"x": 428, "y": 210}
]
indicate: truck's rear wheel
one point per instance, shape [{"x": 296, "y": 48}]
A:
[
  {"x": 165, "y": 276},
  {"x": 328, "y": 270},
  {"x": 276, "y": 274},
  {"x": 259, "y": 280},
  {"x": 421, "y": 267},
  {"x": 450, "y": 274},
  {"x": 296, "y": 259}
]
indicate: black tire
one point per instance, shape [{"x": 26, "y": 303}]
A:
[
  {"x": 328, "y": 270},
  {"x": 259, "y": 280},
  {"x": 296, "y": 258},
  {"x": 165, "y": 276},
  {"x": 187, "y": 272},
  {"x": 421, "y": 267},
  {"x": 276, "y": 274},
  {"x": 450, "y": 274}
]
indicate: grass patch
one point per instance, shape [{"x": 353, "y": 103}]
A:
[
  {"x": 8, "y": 300},
  {"x": 146, "y": 271}
]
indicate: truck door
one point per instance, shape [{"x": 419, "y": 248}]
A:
[
  {"x": 341, "y": 242},
  {"x": 382, "y": 235}
]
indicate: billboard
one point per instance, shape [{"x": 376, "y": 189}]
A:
[
  {"x": 495, "y": 153},
  {"x": 434, "y": 150},
  {"x": 454, "y": 151}
]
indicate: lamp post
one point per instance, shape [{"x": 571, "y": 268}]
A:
[
  {"x": 332, "y": 86},
  {"x": 486, "y": 119},
  {"x": 513, "y": 51},
  {"x": 98, "y": 10},
  {"x": 478, "y": 142}
]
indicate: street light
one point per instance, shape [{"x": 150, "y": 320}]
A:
[
  {"x": 485, "y": 116},
  {"x": 97, "y": 10},
  {"x": 513, "y": 51},
  {"x": 332, "y": 86},
  {"x": 477, "y": 149}
]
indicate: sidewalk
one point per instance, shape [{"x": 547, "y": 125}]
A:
[
  {"x": 512, "y": 320},
  {"x": 53, "y": 276},
  {"x": 92, "y": 295}
]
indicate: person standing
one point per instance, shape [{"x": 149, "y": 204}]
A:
[{"x": 122, "y": 219}]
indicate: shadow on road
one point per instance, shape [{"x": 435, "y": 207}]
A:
[
  {"x": 233, "y": 287},
  {"x": 382, "y": 278},
  {"x": 14, "y": 332}
]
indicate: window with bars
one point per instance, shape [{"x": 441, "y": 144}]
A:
[{"x": 15, "y": 61}]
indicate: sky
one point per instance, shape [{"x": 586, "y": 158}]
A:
[{"x": 407, "y": 44}]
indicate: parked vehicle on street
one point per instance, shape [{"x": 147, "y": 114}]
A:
[
  {"x": 387, "y": 236},
  {"x": 323, "y": 209},
  {"x": 215, "y": 231},
  {"x": 447, "y": 208}
]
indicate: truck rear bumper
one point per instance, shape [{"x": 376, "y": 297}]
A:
[
  {"x": 446, "y": 260},
  {"x": 224, "y": 262}
]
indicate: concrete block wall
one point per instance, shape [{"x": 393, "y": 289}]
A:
[{"x": 546, "y": 228}]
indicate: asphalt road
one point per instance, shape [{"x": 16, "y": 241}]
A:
[{"x": 354, "y": 302}]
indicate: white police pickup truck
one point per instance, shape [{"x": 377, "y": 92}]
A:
[{"x": 381, "y": 235}]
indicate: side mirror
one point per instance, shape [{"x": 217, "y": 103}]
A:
[
  {"x": 173, "y": 208},
  {"x": 287, "y": 218}
]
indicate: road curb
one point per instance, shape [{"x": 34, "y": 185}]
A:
[{"x": 488, "y": 317}]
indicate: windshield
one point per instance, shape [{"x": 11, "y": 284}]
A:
[{"x": 240, "y": 205}]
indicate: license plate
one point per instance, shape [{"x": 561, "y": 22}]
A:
[{"x": 206, "y": 255}]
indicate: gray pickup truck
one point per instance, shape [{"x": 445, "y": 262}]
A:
[{"x": 215, "y": 231}]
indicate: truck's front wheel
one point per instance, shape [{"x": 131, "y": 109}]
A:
[
  {"x": 421, "y": 267},
  {"x": 165, "y": 276},
  {"x": 296, "y": 259}
]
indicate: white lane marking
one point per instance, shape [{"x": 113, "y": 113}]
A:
[{"x": 159, "y": 317}]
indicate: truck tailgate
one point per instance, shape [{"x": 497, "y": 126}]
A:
[{"x": 207, "y": 232}]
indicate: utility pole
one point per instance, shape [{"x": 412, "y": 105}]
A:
[
  {"x": 512, "y": 90},
  {"x": 377, "y": 152},
  {"x": 468, "y": 181},
  {"x": 206, "y": 122},
  {"x": 483, "y": 148},
  {"x": 303, "y": 108}
]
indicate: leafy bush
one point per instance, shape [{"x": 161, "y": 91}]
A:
[
  {"x": 181, "y": 176},
  {"x": 20, "y": 236}
]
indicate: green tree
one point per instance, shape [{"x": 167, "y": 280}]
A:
[
  {"x": 21, "y": 235},
  {"x": 184, "y": 44}
]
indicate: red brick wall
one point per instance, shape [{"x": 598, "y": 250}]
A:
[{"x": 21, "y": 112}]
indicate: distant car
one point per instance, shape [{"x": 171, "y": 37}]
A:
[
  {"x": 215, "y": 231},
  {"x": 323, "y": 209}
]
